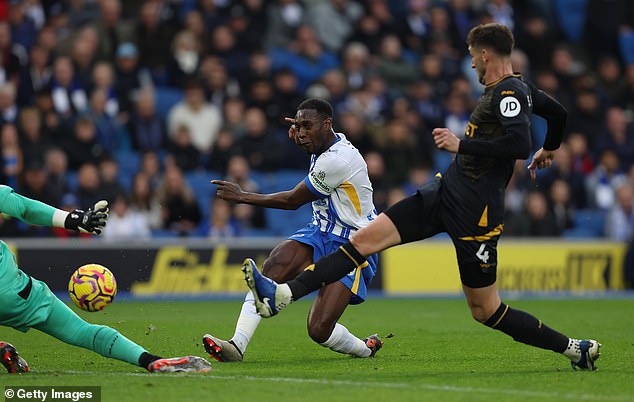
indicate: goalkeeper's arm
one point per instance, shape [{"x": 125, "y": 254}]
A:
[{"x": 38, "y": 213}]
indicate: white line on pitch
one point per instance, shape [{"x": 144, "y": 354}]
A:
[{"x": 432, "y": 387}]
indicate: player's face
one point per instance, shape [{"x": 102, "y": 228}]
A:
[
  {"x": 477, "y": 62},
  {"x": 312, "y": 131}
]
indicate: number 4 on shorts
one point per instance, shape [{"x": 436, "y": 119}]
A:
[{"x": 482, "y": 254}]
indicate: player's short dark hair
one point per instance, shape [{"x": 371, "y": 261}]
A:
[
  {"x": 493, "y": 36},
  {"x": 323, "y": 108}
]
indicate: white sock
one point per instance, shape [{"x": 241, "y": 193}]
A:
[
  {"x": 283, "y": 296},
  {"x": 342, "y": 341},
  {"x": 248, "y": 322},
  {"x": 573, "y": 352}
]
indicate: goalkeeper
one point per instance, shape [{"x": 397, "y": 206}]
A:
[{"x": 26, "y": 302}]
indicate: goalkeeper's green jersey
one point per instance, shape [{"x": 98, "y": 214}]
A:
[{"x": 27, "y": 210}]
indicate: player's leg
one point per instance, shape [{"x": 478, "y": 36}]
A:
[
  {"x": 414, "y": 218},
  {"x": 487, "y": 308},
  {"x": 68, "y": 327},
  {"x": 63, "y": 324},
  {"x": 284, "y": 262},
  {"x": 324, "y": 329}
]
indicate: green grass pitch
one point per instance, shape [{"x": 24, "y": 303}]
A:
[{"x": 437, "y": 353}]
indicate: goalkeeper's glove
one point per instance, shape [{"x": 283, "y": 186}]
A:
[{"x": 91, "y": 221}]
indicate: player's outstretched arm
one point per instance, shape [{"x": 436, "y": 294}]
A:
[
  {"x": 38, "y": 213},
  {"x": 291, "y": 199}
]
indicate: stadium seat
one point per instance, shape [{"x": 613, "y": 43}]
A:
[
  {"x": 166, "y": 98},
  {"x": 199, "y": 183},
  {"x": 129, "y": 164},
  {"x": 590, "y": 221}
]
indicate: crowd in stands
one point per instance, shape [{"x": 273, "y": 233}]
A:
[{"x": 143, "y": 102}]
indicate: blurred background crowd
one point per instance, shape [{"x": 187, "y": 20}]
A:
[{"x": 143, "y": 102}]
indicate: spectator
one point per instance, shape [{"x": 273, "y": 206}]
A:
[
  {"x": 143, "y": 200},
  {"x": 611, "y": 79},
  {"x": 561, "y": 205},
  {"x": 413, "y": 27},
  {"x": 536, "y": 220},
  {"x": 234, "y": 108},
  {"x": 379, "y": 179},
  {"x": 353, "y": 127},
  {"x": 11, "y": 154},
  {"x": 603, "y": 180},
  {"x": 259, "y": 146},
  {"x": 182, "y": 151},
  {"x": 33, "y": 141},
  {"x": 69, "y": 97},
  {"x": 222, "y": 225},
  {"x": 8, "y": 107},
  {"x": 56, "y": 165},
  {"x": 582, "y": 161},
  {"x": 218, "y": 85},
  {"x": 103, "y": 80},
  {"x": 109, "y": 133},
  {"x": 181, "y": 213},
  {"x": 397, "y": 71},
  {"x": 110, "y": 185},
  {"x": 235, "y": 59},
  {"x": 147, "y": 129},
  {"x": 124, "y": 223},
  {"x": 223, "y": 150},
  {"x": 355, "y": 66},
  {"x": 185, "y": 58},
  {"x": 333, "y": 21},
  {"x": 306, "y": 58},
  {"x": 203, "y": 119},
  {"x": 89, "y": 189},
  {"x": 152, "y": 34},
  {"x": 130, "y": 77},
  {"x": 400, "y": 151},
  {"x": 10, "y": 62},
  {"x": 35, "y": 77},
  {"x": 248, "y": 216},
  {"x": 84, "y": 53},
  {"x": 82, "y": 147},
  {"x": 151, "y": 166},
  {"x": 563, "y": 169},
  {"x": 620, "y": 220},
  {"x": 111, "y": 29},
  {"x": 33, "y": 183},
  {"x": 284, "y": 18},
  {"x": 619, "y": 137}
]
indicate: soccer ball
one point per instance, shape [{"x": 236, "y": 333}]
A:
[{"x": 92, "y": 287}]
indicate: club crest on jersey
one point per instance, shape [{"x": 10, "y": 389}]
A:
[{"x": 510, "y": 106}]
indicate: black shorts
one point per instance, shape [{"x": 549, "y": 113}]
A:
[{"x": 429, "y": 212}]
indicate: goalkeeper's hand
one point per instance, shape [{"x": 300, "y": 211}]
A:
[{"x": 91, "y": 221}]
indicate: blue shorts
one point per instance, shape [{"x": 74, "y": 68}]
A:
[{"x": 324, "y": 243}]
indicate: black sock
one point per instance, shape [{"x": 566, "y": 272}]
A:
[
  {"x": 146, "y": 358},
  {"x": 328, "y": 269},
  {"x": 527, "y": 329}
]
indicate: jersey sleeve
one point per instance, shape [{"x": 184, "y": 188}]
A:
[
  {"x": 25, "y": 209},
  {"x": 555, "y": 115},
  {"x": 327, "y": 174},
  {"x": 511, "y": 104}
]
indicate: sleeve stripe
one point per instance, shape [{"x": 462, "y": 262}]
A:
[{"x": 313, "y": 189}]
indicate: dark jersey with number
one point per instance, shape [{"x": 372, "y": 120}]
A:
[
  {"x": 504, "y": 110},
  {"x": 498, "y": 133}
]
